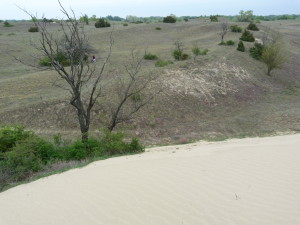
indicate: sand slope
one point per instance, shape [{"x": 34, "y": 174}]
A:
[{"x": 239, "y": 182}]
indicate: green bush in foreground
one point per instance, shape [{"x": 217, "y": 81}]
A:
[
  {"x": 10, "y": 135},
  {"x": 23, "y": 153}
]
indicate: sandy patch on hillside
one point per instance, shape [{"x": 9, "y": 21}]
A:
[
  {"x": 206, "y": 81},
  {"x": 239, "y": 182}
]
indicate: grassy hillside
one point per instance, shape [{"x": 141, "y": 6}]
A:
[{"x": 225, "y": 93}]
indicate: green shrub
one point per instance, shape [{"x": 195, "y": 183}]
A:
[
  {"x": 247, "y": 36},
  {"x": 138, "y": 22},
  {"x": 82, "y": 150},
  {"x": 136, "y": 97},
  {"x": 149, "y": 56},
  {"x": 252, "y": 26},
  {"x": 63, "y": 59},
  {"x": 10, "y": 34},
  {"x": 46, "y": 61},
  {"x": 213, "y": 19},
  {"x": 162, "y": 63},
  {"x": 100, "y": 23},
  {"x": 33, "y": 29},
  {"x": 236, "y": 29},
  {"x": 185, "y": 56},
  {"x": 125, "y": 24},
  {"x": 114, "y": 144},
  {"x": 108, "y": 145},
  {"x": 204, "y": 52},
  {"x": 7, "y": 24},
  {"x": 157, "y": 28},
  {"x": 10, "y": 135},
  {"x": 169, "y": 19},
  {"x": 177, "y": 54},
  {"x": 28, "y": 156},
  {"x": 23, "y": 153},
  {"x": 241, "y": 46},
  {"x": 256, "y": 51},
  {"x": 230, "y": 42}
]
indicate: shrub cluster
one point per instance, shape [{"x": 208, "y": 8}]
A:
[
  {"x": 229, "y": 42},
  {"x": 149, "y": 56},
  {"x": 241, "y": 47},
  {"x": 169, "y": 19},
  {"x": 197, "y": 51},
  {"x": 256, "y": 51},
  {"x": 236, "y": 29},
  {"x": 162, "y": 63},
  {"x": 213, "y": 19},
  {"x": 100, "y": 23},
  {"x": 252, "y": 26},
  {"x": 63, "y": 58},
  {"x": 247, "y": 36},
  {"x": 33, "y": 29},
  {"x": 23, "y": 153},
  {"x": 157, "y": 28},
  {"x": 7, "y": 24},
  {"x": 179, "y": 55}
]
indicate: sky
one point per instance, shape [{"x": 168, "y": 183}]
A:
[{"x": 102, "y": 8}]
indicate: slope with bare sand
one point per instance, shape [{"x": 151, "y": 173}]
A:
[{"x": 237, "y": 182}]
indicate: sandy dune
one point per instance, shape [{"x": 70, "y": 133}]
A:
[{"x": 239, "y": 182}]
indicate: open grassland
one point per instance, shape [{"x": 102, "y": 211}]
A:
[{"x": 223, "y": 94}]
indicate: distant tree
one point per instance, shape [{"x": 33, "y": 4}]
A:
[
  {"x": 213, "y": 19},
  {"x": 169, "y": 19},
  {"x": 7, "y": 24},
  {"x": 224, "y": 28},
  {"x": 93, "y": 18},
  {"x": 246, "y": 16},
  {"x": 102, "y": 23},
  {"x": 84, "y": 19},
  {"x": 114, "y": 18}
]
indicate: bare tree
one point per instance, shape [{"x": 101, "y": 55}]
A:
[
  {"x": 224, "y": 29},
  {"x": 132, "y": 93},
  {"x": 67, "y": 55}
]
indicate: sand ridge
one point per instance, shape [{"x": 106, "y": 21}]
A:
[{"x": 236, "y": 182}]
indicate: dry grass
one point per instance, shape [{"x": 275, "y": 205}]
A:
[{"x": 222, "y": 94}]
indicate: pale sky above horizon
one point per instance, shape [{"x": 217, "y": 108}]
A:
[{"x": 102, "y": 8}]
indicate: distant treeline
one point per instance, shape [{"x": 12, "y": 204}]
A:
[{"x": 151, "y": 19}]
